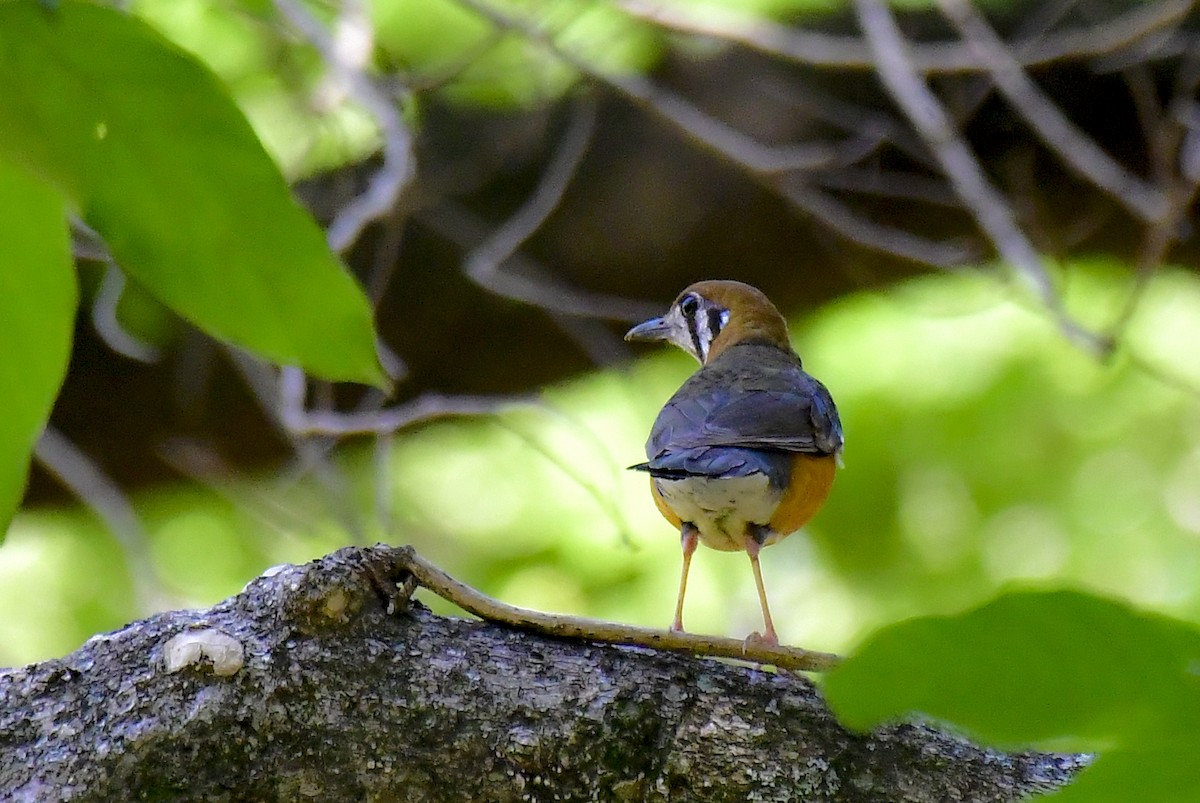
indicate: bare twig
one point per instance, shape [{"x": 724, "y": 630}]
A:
[
  {"x": 763, "y": 162},
  {"x": 709, "y": 131},
  {"x": 890, "y": 184},
  {"x": 426, "y": 407},
  {"x": 386, "y": 259},
  {"x": 86, "y": 243},
  {"x": 84, "y": 478},
  {"x": 399, "y": 164},
  {"x": 989, "y": 207},
  {"x": 848, "y": 52},
  {"x": 840, "y": 218},
  {"x": 108, "y": 325},
  {"x": 1077, "y": 150},
  {"x": 574, "y": 627},
  {"x": 484, "y": 263},
  {"x": 1178, "y": 140},
  {"x": 821, "y": 105},
  {"x": 464, "y": 228}
]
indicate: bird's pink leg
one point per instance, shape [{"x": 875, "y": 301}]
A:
[
  {"x": 768, "y": 636},
  {"x": 689, "y": 536}
]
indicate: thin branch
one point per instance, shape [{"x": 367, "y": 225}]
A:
[
  {"x": 84, "y": 478},
  {"x": 890, "y": 184},
  {"x": 108, "y": 325},
  {"x": 426, "y": 407},
  {"x": 1179, "y": 141},
  {"x": 484, "y": 264},
  {"x": 763, "y": 162},
  {"x": 1189, "y": 153},
  {"x": 1031, "y": 30},
  {"x": 1156, "y": 47},
  {"x": 709, "y": 131},
  {"x": 399, "y": 162},
  {"x": 848, "y": 52},
  {"x": 464, "y": 228},
  {"x": 840, "y": 218},
  {"x": 574, "y": 627},
  {"x": 86, "y": 243},
  {"x": 386, "y": 259},
  {"x": 837, "y": 111},
  {"x": 1078, "y": 151},
  {"x": 991, "y": 211}
]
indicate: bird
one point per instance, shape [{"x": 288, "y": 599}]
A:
[{"x": 745, "y": 452}]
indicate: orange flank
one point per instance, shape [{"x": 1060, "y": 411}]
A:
[
  {"x": 812, "y": 478},
  {"x": 662, "y": 506}
]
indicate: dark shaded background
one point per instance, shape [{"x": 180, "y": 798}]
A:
[{"x": 648, "y": 211}]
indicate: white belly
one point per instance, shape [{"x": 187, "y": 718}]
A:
[{"x": 721, "y": 508}]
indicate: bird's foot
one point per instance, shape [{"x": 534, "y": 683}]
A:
[{"x": 756, "y": 639}]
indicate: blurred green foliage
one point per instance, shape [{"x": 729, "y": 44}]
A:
[
  {"x": 982, "y": 451},
  {"x": 310, "y": 123}
]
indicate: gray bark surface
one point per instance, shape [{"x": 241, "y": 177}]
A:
[{"x": 333, "y": 699}]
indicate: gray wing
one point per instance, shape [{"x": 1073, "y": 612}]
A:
[
  {"x": 725, "y": 433},
  {"x": 804, "y": 421}
]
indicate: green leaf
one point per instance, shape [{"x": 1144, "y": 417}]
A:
[
  {"x": 1167, "y": 776},
  {"x": 1062, "y": 669},
  {"x": 157, "y": 158},
  {"x": 37, "y": 317}
]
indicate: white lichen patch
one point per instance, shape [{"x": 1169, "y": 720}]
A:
[{"x": 222, "y": 650}]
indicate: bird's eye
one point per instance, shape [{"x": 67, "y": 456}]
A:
[{"x": 689, "y": 305}]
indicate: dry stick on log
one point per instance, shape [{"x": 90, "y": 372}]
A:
[{"x": 559, "y": 625}]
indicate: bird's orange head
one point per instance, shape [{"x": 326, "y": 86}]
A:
[{"x": 713, "y": 315}]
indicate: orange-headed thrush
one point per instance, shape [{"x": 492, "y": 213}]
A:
[{"x": 744, "y": 453}]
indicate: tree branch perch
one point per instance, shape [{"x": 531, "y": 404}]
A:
[{"x": 302, "y": 687}]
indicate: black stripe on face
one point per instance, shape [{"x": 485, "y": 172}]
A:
[
  {"x": 698, "y": 341},
  {"x": 704, "y": 321},
  {"x": 689, "y": 307},
  {"x": 716, "y": 319}
]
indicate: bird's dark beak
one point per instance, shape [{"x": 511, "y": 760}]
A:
[{"x": 653, "y": 329}]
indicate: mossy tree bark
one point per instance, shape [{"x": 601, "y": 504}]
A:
[{"x": 304, "y": 687}]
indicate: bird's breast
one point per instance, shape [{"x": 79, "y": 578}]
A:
[{"x": 721, "y": 507}]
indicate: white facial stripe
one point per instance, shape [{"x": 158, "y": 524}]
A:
[{"x": 703, "y": 324}]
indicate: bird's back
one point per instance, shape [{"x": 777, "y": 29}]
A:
[{"x": 746, "y": 411}]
